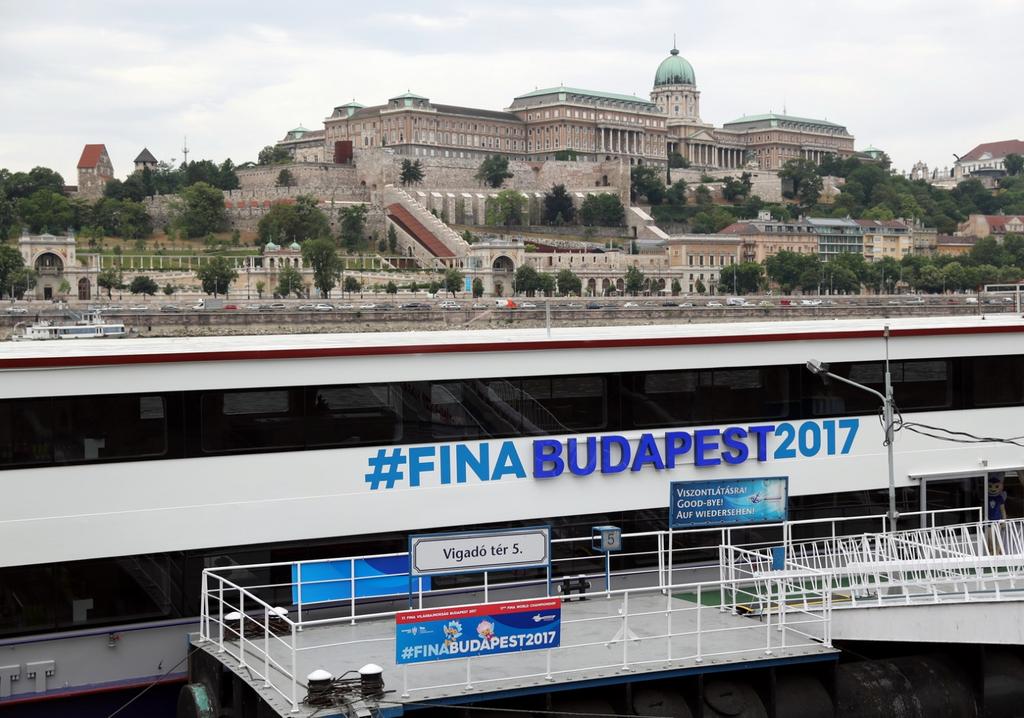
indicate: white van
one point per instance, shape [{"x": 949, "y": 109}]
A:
[{"x": 735, "y": 302}]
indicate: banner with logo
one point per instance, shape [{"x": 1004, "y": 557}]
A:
[
  {"x": 728, "y": 502},
  {"x": 438, "y": 634}
]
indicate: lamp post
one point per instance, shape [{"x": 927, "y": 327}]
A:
[{"x": 821, "y": 369}]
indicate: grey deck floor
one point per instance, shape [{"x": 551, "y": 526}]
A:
[{"x": 591, "y": 649}]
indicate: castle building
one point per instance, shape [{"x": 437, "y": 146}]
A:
[
  {"x": 571, "y": 123},
  {"x": 94, "y": 171}
]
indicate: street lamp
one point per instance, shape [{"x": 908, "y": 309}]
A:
[{"x": 821, "y": 369}]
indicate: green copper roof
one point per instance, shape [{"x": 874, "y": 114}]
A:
[
  {"x": 562, "y": 89},
  {"x": 775, "y": 117},
  {"x": 352, "y": 104},
  {"x": 674, "y": 70},
  {"x": 408, "y": 96}
]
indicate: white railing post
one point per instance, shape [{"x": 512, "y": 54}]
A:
[
  {"x": 294, "y": 671},
  {"x": 625, "y": 631},
  {"x": 204, "y": 607},
  {"x": 668, "y": 622},
  {"x": 352, "y": 584},
  {"x": 220, "y": 621},
  {"x": 661, "y": 561},
  {"x": 469, "y": 674},
  {"x": 241, "y": 628},
  {"x": 266, "y": 646},
  {"x": 547, "y": 669},
  {"x": 405, "y": 681},
  {"x": 485, "y": 587},
  {"x": 298, "y": 590},
  {"x": 700, "y": 657},
  {"x": 768, "y": 623}
]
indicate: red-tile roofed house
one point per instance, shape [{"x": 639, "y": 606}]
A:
[
  {"x": 94, "y": 171},
  {"x": 998, "y": 225},
  {"x": 987, "y": 159}
]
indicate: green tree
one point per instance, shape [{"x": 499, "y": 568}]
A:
[
  {"x": 289, "y": 281},
  {"x": 143, "y": 285},
  {"x": 493, "y": 171},
  {"x": 478, "y": 287},
  {"x": 216, "y": 275},
  {"x": 454, "y": 281},
  {"x": 526, "y": 280},
  {"x": 801, "y": 181},
  {"x": 391, "y": 288},
  {"x": 110, "y": 279},
  {"x": 602, "y": 210},
  {"x": 226, "y": 177},
  {"x": 199, "y": 210},
  {"x": 742, "y": 278},
  {"x": 677, "y": 288},
  {"x": 676, "y": 194},
  {"x": 676, "y": 160},
  {"x": 634, "y": 280},
  {"x": 322, "y": 256},
  {"x": 261, "y": 287},
  {"x": 546, "y": 283},
  {"x": 711, "y": 220},
  {"x": 296, "y": 222},
  {"x": 274, "y": 155},
  {"x": 645, "y": 181},
  {"x": 353, "y": 225},
  {"x": 988, "y": 250},
  {"x": 506, "y": 208},
  {"x": 568, "y": 283},
  {"x": 11, "y": 262},
  {"x": 285, "y": 178},
  {"x": 411, "y": 172},
  {"x": 392, "y": 239},
  {"x": 734, "y": 190},
  {"x": 350, "y": 285},
  {"x": 786, "y": 269},
  {"x": 558, "y": 207},
  {"x": 169, "y": 290},
  {"x": 1014, "y": 164},
  {"x": 46, "y": 211},
  {"x": 699, "y": 287}
]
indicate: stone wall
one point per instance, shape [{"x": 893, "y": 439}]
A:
[
  {"x": 764, "y": 184},
  {"x": 319, "y": 177}
]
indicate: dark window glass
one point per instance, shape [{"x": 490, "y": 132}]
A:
[
  {"x": 667, "y": 398},
  {"x": 997, "y": 381},
  {"x": 356, "y": 415},
  {"x": 26, "y": 599},
  {"x": 917, "y": 384},
  {"x": 102, "y": 428},
  {"x": 117, "y": 589},
  {"x": 556, "y": 405},
  {"x": 25, "y": 438},
  {"x": 252, "y": 420},
  {"x": 749, "y": 394}
]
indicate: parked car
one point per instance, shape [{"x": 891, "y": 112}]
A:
[
  {"x": 630, "y": 305},
  {"x": 449, "y": 304},
  {"x": 368, "y": 305},
  {"x": 971, "y": 300},
  {"x": 345, "y": 306},
  {"x": 170, "y": 308},
  {"x": 421, "y": 306},
  {"x": 230, "y": 307},
  {"x": 715, "y": 304},
  {"x": 138, "y": 308},
  {"x": 765, "y": 303},
  {"x": 527, "y": 305},
  {"x": 670, "y": 303},
  {"x": 306, "y": 307},
  {"x": 277, "y": 306},
  {"x": 16, "y": 310},
  {"x": 914, "y": 300},
  {"x": 323, "y": 308},
  {"x": 595, "y": 305},
  {"x": 817, "y": 302}
]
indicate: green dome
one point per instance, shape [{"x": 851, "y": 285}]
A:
[{"x": 674, "y": 70}]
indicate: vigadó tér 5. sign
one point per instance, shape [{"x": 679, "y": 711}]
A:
[
  {"x": 728, "y": 502},
  {"x": 434, "y": 554}
]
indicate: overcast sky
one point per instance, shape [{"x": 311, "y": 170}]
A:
[{"x": 921, "y": 79}]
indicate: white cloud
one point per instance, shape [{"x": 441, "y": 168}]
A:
[{"x": 904, "y": 75}]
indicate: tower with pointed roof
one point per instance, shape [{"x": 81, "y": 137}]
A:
[
  {"x": 145, "y": 160},
  {"x": 94, "y": 171}
]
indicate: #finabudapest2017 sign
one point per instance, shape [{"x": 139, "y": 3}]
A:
[
  {"x": 438, "y": 634},
  {"x": 728, "y": 502}
]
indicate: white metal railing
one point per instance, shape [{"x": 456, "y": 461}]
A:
[
  {"x": 679, "y": 622},
  {"x": 791, "y": 581}
]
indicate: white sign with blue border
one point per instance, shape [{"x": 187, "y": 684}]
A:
[{"x": 728, "y": 502}]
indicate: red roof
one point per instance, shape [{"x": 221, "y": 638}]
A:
[
  {"x": 739, "y": 228},
  {"x": 996, "y": 149},
  {"x": 91, "y": 156}
]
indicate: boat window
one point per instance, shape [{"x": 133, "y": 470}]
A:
[
  {"x": 998, "y": 380},
  {"x": 25, "y": 426},
  {"x": 101, "y": 428},
  {"x": 355, "y": 415},
  {"x": 252, "y": 420}
]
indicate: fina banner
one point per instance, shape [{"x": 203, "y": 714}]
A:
[
  {"x": 728, "y": 502},
  {"x": 438, "y": 634}
]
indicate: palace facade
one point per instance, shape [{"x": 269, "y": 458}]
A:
[{"x": 572, "y": 123}]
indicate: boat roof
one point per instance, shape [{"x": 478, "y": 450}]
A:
[{"x": 284, "y": 346}]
